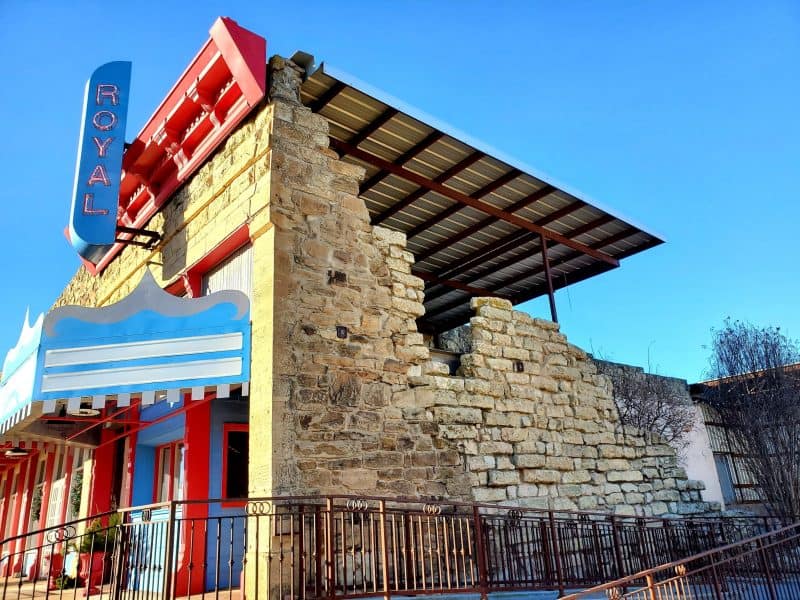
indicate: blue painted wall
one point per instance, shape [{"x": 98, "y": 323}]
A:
[
  {"x": 226, "y": 524},
  {"x": 147, "y": 440}
]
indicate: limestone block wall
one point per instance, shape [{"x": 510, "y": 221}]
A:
[
  {"x": 342, "y": 421},
  {"x": 537, "y": 426}
]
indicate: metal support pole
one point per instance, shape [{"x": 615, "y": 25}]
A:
[
  {"x": 384, "y": 551},
  {"x": 556, "y": 552},
  {"x": 651, "y": 588},
  {"x": 548, "y": 275},
  {"x": 330, "y": 552},
  {"x": 766, "y": 570},
  {"x": 480, "y": 550}
]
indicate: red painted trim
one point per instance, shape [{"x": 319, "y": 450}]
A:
[
  {"x": 24, "y": 489},
  {"x": 226, "y": 429},
  {"x": 223, "y": 83},
  {"x": 18, "y": 492},
  {"x": 131, "y": 462},
  {"x": 48, "y": 482},
  {"x": 235, "y": 240},
  {"x": 197, "y": 444},
  {"x": 172, "y": 454},
  {"x": 7, "y": 475},
  {"x": 191, "y": 281},
  {"x": 103, "y": 464},
  {"x": 156, "y": 470},
  {"x": 105, "y": 419},
  {"x": 69, "y": 463},
  {"x": 185, "y": 408}
]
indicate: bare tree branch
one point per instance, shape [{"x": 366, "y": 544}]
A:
[
  {"x": 651, "y": 402},
  {"x": 755, "y": 393}
]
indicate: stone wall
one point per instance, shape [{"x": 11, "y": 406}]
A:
[
  {"x": 337, "y": 423},
  {"x": 537, "y": 425}
]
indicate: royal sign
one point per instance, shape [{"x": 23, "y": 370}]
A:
[{"x": 93, "y": 217}]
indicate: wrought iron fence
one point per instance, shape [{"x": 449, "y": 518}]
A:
[
  {"x": 763, "y": 567},
  {"x": 345, "y": 547}
]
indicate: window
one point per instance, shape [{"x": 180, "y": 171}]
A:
[
  {"x": 168, "y": 483},
  {"x": 236, "y": 446},
  {"x": 233, "y": 273}
]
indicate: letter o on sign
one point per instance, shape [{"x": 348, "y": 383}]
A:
[{"x": 104, "y": 120}]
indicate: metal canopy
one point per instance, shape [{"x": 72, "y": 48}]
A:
[{"x": 477, "y": 224}]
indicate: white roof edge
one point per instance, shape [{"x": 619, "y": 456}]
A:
[{"x": 454, "y": 132}]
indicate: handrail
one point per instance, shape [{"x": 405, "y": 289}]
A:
[
  {"x": 36, "y": 532},
  {"x": 647, "y": 575},
  {"x": 349, "y": 546}
]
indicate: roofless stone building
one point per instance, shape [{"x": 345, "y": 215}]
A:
[{"x": 309, "y": 240}]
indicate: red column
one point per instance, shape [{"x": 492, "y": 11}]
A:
[
  {"x": 100, "y": 491},
  {"x": 22, "y": 506},
  {"x": 197, "y": 443},
  {"x": 9, "y": 475},
  {"x": 130, "y": 462},
  {"x": 69, "y": 459},
  {"x": 49, "y": 464}
]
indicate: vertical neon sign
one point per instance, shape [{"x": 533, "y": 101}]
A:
[{"x": 95, "y": 198}]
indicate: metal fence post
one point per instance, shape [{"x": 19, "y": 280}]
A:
[
  {"x": 556, "y": 552},
  {"x": 617, "y": 549},
  {"x": 384, "y": 551},
  {"x": 651, "y": 589},
  {"x": 767, "y": 571},
  {"x": 169, "y": 551},
  {"x": 118, "y": 559},
  {"x": 329, "y": 551},
  {"x": 480, "y": 550},
  {"x": 717, "y": 587}
]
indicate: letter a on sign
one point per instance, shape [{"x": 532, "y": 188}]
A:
[{"x": 95, "y": 198}]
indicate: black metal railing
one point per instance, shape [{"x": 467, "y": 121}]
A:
[
  {"x": 765, "y": 567},
  {"x": 345, "y": 547}
]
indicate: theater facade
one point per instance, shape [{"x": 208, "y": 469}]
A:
[{"x": 289, "y": 247}]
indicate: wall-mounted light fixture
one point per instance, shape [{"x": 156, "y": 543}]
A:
[
  {"x": 519, "y": 366},
  {"x": 16, "y": 451},
  {"x": 341, "y": 332}
]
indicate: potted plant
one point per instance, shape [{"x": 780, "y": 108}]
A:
[{"x": 95, "y": 548}]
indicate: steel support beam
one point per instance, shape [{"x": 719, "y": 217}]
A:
[
  {"x": 457, "y": 196},
  {"x": 417, "y": 194},
  {"x": 513, "y": 241},
  {"x": 332, "y": 92},
  {"x": 402, "y": 160},
  {"x": 456, "y": 285},
  {"x": 451, "y": 210},
  {"x": 548, "y": 276},
  {"x": 563, "y": 260},
  {"x": 372, "y": 127},
  {"x": 483, "y": 223}
]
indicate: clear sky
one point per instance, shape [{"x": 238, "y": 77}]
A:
[{"x": 680, "y": 115}]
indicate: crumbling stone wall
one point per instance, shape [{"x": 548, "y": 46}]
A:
[
  {"x": 337, "y": 422},
  {"x": 537, "y": 425}
]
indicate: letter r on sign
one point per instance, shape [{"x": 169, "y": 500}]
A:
[{"x": 107, "y": 90}]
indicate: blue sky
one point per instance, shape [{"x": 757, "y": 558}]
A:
[{"x": 682, "y": 116}]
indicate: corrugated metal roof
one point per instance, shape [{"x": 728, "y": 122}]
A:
[{"x": 462, "y": 250}]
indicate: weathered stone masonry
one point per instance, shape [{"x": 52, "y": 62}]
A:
[{"x": 369, "y": 412}]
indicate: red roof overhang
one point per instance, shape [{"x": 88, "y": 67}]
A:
[{"x": 223, "y": 83}]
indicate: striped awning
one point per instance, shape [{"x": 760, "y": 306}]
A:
[{"x": 149, "y": 347}]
